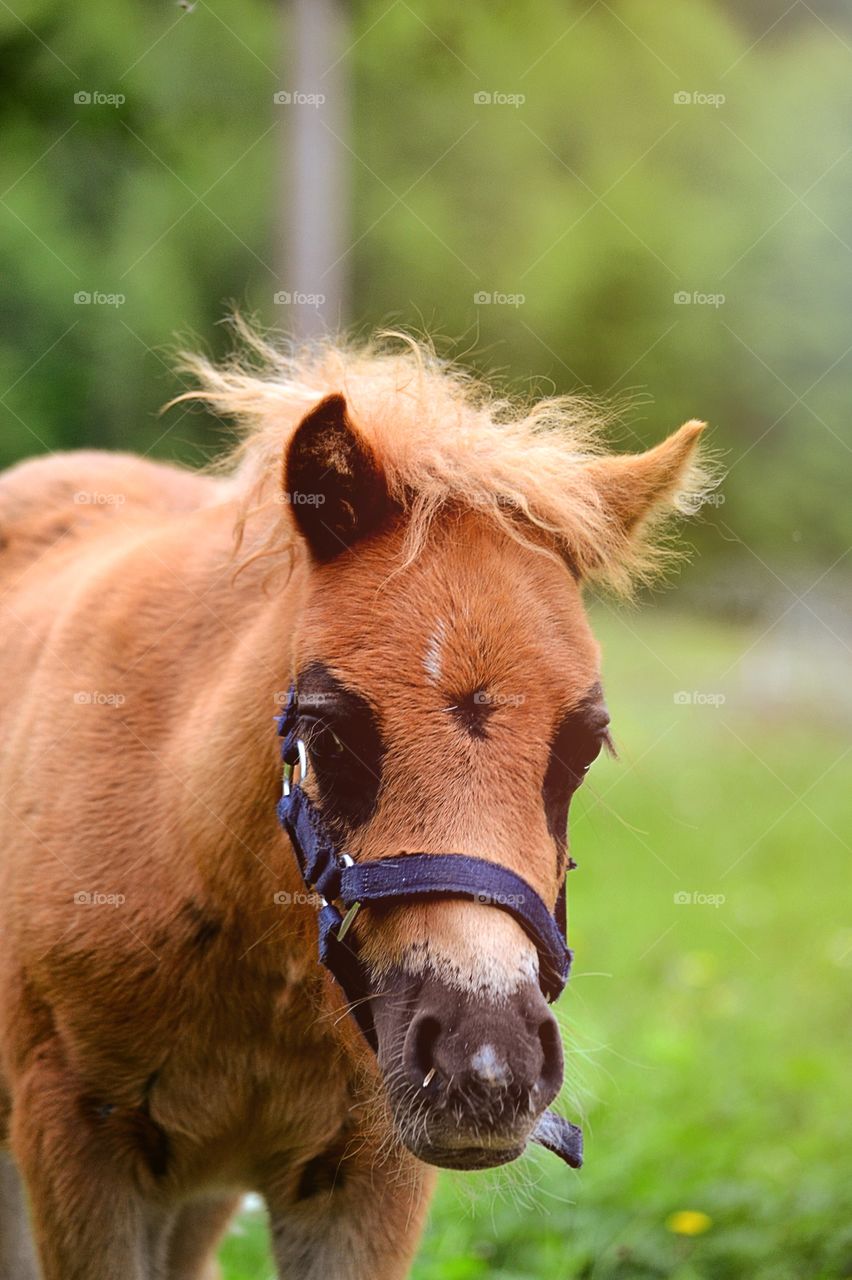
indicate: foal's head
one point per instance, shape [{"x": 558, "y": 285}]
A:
[{"x": 450, "y": 698}]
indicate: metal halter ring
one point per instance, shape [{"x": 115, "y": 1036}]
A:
[{"x": 290, "y": 765}]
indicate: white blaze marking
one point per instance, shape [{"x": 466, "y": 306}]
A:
[
  {"x": 489, "y": 1066},
  {"x": 432, "y": 656}
]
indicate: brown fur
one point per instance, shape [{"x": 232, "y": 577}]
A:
[{"x": 172, "y": 1044}]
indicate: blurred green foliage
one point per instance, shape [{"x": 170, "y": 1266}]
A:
[{"x": 598, "y": 198}]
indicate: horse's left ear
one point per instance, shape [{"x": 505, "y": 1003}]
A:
[
  {"x": 634, "y": 486},
  {"x": 333, "y": 481}
]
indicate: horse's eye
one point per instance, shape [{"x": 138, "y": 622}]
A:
[
  {"x": 572, "y": 756},
  {"x": 322, "y": 743},
  {"x": 587, "y": 758}
]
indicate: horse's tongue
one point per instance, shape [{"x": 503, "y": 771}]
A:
[{"x": 559, "y": 1136}]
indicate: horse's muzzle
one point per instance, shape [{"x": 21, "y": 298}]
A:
[{"x": 467, "y": 1076}]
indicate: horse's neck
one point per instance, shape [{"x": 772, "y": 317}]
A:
[{"x": 231, "y": 645}]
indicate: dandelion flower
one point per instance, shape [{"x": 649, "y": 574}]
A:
[{"x": 689, "y": 1222}]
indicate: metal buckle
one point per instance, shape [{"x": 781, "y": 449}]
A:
[
  {"x": 290, "y": 765},
  {"x": 346, "y": 860},
  {"x": 347, "y": 921}
]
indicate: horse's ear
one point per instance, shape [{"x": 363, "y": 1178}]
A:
[
  {"x": 333, "y": 481},
  {"x": 634, "y": 486}
]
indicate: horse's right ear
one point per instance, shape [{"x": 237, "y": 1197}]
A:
[{"x": 333, "y": 481}]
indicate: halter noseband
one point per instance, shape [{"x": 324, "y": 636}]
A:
[{"x": 336, "y": 878}]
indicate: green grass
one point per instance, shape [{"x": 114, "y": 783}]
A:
[{"x": 703, "y": 1042}]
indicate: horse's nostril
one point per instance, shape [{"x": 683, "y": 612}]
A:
[
  {"x": 464, "y": 1053},
  {"x": 420, "y": 1050},
  {"x": 551, "y": 1050}
]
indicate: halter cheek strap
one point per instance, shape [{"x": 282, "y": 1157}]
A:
[{"x": 338, "y": 879}]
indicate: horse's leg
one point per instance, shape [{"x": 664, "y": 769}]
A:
[
  {"x": 159, "y": 1224},
  {"x": 359, "y": 1219},
  {"x": 196, "y": 1233},
  {"x": 17, "y": 1255},
  {"x": 88, "y": 1219}
]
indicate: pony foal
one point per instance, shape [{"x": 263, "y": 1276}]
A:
[{"x": 411, "y": 554}]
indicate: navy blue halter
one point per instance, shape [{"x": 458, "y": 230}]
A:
[{"x": 338, "y": 879}]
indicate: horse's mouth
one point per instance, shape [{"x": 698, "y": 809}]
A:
[
  {"x": 454, "y": 1145},
  {"x": 450, "y": 1149},
  {"x": 470, "y": 1158}
]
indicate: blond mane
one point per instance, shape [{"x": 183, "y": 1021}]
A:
[{"x": 442, "y": 436}]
